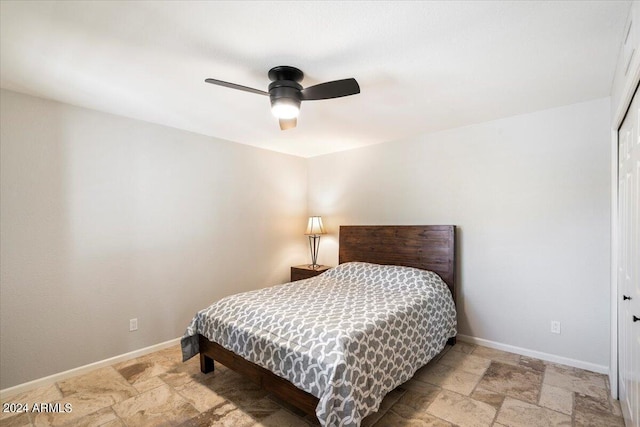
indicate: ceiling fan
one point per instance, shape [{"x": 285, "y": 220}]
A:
[{"x": 286, "y": 93}]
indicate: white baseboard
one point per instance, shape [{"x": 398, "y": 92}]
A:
[
  {"x": 21, "y": 388},
  {"x": 601, "y": 369}
]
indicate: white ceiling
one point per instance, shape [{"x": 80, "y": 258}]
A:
[{"x": 422, "y": 66}]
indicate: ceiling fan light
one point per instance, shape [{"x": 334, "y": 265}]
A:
[{"x": 284, "y": 108}]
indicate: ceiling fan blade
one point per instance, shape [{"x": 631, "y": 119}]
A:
[
  {"x": 235, "y": 86},
  {"x": 286, "y": 124},
  {"x": 334, "y": 89}
]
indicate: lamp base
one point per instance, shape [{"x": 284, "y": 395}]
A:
[{"x": 314, "y": 244}]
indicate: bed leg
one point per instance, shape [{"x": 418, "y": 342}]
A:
[
  {"x": 206, "y": 364},
  {"x": 452, "y": 341}
]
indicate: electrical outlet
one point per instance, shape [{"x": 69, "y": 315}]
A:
[
  {"x": 133, "y": 325},
  {"x": 555, "y": 327}
]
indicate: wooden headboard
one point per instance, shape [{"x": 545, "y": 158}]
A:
[{"x": 429, "y": 247}]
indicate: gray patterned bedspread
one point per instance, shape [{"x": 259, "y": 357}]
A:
[{"x": 347, "y": 336}]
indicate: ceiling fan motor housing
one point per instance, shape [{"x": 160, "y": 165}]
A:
[
  {"x": 284, "y": 87},
  {"x": 285, "y": 91}
]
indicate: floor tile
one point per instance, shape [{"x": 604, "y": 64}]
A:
[
  {"x": 615, "y": 406},
  {"x": 224, "y": 415},
  {"x": 497, "y": 355},
  {"x": 81, "y": 405},
  {"x": 602, "y": 420},
  {"x": 148, "y": 384},
  {"x": 144, "y": 367},
  {"x": 159, "y": 406},
  {"x": 577, "y": 380},
  {"x": 16, "y": 420},
  {"x": 592, "y": 411},
  {"x": 105, "y": 381},
  {"x": 412, "y": 403},
  {"x": 461, "y": 410},
  {"x": 259, "y": 409},
  {"x": 289, "y": 407},
  {"x": 438, "y": 356},
  {"x": 557, "y": 399},
  {"x": 187, "y": 372},
  {"x": 419, "y": 386},
  {"x": 448, "y": 378},
  {"x": 586, "y": 403},
  {"x": 200, "y": 396},
  {"x": 99, "y": 418},
  {"x": 393, "y": 419},
  {"x": 466, "y": 362},
  {"x": 518, "y": 413},
  {"x": 88, "y": 394},
  {"x": 595, "y": 378},
  {"x": 490, "y": 397},
  {"x": 173, "y": 353},
  {"x": 313, "y": 421},
  {"x": 282, "y": 418},
  {"x": 531, "y": 363},
  {"x": 515, "y": 381},
  {"x": 235, "y": 388},
  {"x": 463, "y": 347},
  {"x": 49, "y": 393}
]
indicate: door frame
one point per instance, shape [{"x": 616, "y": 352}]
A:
[{"x": 617, "y": 116}]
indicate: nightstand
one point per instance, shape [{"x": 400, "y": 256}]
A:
[{"x": 305, "y": 271}]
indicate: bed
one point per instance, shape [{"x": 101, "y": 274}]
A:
[{"x": 318, "y": 351}]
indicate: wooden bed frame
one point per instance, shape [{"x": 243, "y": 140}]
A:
[{"x": 429, "y": 247}]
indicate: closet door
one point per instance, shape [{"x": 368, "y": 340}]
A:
[{"x": 629, "y": 264}]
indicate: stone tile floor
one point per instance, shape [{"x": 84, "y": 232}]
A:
[{"x": 466, "y": 385}]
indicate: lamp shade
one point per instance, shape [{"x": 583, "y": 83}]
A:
[{"x": 314, "y": 226}]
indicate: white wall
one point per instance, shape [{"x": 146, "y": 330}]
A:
[
  {"x": 530, "y": 196},
  {"x": 104, "y": 219}
]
